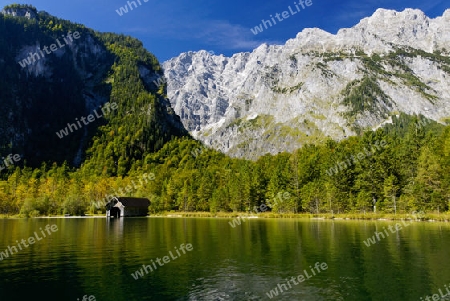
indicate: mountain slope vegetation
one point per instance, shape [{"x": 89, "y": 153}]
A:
[
  {"x": 402, "y": 166},
  {"x": 57, "y": 90}
]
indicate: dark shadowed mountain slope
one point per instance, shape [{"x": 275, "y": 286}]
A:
[{"x": 55, "y": 79}]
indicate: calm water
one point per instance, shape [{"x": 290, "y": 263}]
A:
[{"x": 88, "y": 256}]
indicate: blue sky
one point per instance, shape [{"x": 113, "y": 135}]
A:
[{"x": 170, "y": 27}]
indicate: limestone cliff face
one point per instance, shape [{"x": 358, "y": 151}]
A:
[
  {"x": 28, "y": 12},
  {"x": 317, "y": 85},
  {"x": 42, "y": 96}
]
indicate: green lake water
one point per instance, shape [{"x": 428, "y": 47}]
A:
[{"x": 97, "y": 257}]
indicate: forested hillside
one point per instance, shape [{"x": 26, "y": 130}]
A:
[
  {"x": 406, "y": 164},
  {"x": 41, "y": 99},
  {"x": 140, "y": 148}
]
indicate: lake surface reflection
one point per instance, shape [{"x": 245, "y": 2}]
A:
[{"x": 97, "y": 257}]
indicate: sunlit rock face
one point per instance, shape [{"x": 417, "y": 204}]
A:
[{"x": 280, "y": 97}]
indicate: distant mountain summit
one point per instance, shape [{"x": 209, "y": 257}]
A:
[{"x": 317, "y": 85}]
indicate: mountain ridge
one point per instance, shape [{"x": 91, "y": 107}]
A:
[
  {"x": 73, "y": 81},
  {"x": 310, "y": 88},
  {"x": 255, "y": 93}
]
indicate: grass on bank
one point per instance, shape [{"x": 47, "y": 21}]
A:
[
  {"x": 440, "y": 217},
  {"x": 443, "y": 217}
]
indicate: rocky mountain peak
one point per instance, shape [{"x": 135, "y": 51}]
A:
[{"x": 318, "y": 85}]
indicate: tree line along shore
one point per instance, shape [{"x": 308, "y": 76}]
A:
[{"x": 411, "y": 172}]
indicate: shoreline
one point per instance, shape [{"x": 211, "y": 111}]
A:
[{"x": 427, "y": 217}]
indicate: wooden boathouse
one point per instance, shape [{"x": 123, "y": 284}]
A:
[{"x": 127, "y": 206}]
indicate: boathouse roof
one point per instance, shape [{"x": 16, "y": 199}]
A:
[{"x": 129, "y": 202}]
